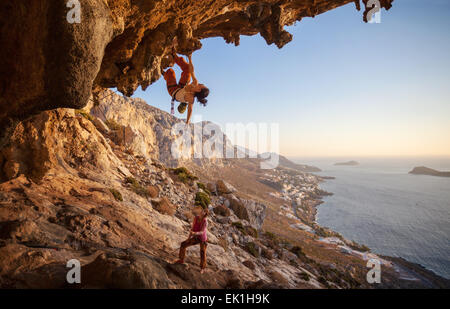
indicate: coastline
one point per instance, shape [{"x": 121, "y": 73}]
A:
[{"x": 407, "y": 270}]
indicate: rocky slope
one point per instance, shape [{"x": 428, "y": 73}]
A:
[
  {"x": 121, "y": 214},
  {"x": 121, "y": 43},
  {"x": 72, "y": 187},
  {"x": 149, "y": 131},
  {"x": 95, "y": 184}
]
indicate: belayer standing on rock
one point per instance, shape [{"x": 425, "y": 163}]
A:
[
  {"x": 183, "y": 91},
  {"x": 197, "y": 235}
]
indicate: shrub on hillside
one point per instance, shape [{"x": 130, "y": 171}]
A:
[
  {"x": 246, "y": 230},
  {"x": 304, "y": 276},
  {"x": 112, "y": 124},
  {"x": 324, "y": 232},
  {"x": 84, "y": 114},
  {"x": 249, "y": 230},
  {"x": 331, "y": 274},
  {"x": 273, "y": 241},
  {"x": 358, "y": 247},
  {"x": 136, "y": 187},
  {"x": 202, "y": 199},
  {"x": 271, "y": 236},
  {"x": 323, "y": 281},
  {"x": 117, "y": 195},
  {"x": 202, "y": 186},
  {"x": 298, "y": 251},
  {"x": 239, "y": 226},
  {"x": 267, "y": 253},
  {"x": 184, "y": 175},
  {"x": 252, "y": 248}
]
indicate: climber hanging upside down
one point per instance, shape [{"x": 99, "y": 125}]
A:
[{"x": 184, "y": 91}]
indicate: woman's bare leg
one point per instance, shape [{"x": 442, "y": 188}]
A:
[
  {"x": 184, "y": 245},
  {"x": 203, "y": 246}
]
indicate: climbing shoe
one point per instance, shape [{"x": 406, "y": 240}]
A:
[{"x": 182, "y": 108}]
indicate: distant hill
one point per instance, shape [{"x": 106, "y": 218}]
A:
[
  {"x": 422, "y": 170},
  {"x": 286, "y": 163},
  {"x": 348, "y": 163}
]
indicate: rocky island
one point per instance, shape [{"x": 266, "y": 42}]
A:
[
  {"x": 422, "y": 170},
  {"x": 347, "y": 163}
]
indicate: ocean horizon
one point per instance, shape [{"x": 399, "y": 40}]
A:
[{"x": 377, "y": 203}]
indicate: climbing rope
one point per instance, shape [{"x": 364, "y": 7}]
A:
[
  {"x": 108, "y": 95},
  {"x": 104, "y": 97},
  {"x": 124, "y": 132}
]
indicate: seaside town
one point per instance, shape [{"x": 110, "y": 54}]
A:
[{"x": 301, "y": 192}]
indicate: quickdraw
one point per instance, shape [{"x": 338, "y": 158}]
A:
[{"x": 172, "y": 103}]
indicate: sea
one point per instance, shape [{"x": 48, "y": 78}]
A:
[{"x": 377, "y": 203}]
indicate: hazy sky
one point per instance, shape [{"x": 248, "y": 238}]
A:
[{"x": 341, "y": 87}]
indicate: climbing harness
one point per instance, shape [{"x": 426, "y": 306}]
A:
[{"x": 172, "y": 103}]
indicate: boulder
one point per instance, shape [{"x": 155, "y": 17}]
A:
[
  {"x": 278, "y": 278},
  {"x": 224, "y": 187},
  {"x": 256, "y": 212},
  {"x": 127, "y": 136},
  {"x": 267, "y": 253},
  {"x": 180, "y": 270},
  {"x": 164, "y": 206},
  {"x": 224, "y": 220},
  {"x": 239, "y": 209},
  {"x": 132, "y": 271},
  {"x": 222, "y": 211},
  {"x": 153, "y": 191},
  {"x": 100, "y": 125},
  {"x": 232, "y": 279},
  {"x": 249, "y": 264},
  {"x": 189, "y": 275},
  {"x": 211, "y": 187}
]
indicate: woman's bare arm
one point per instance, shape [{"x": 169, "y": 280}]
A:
[
  {"x": 191, "y": 231},
  {"x": 189, "y": 114}
]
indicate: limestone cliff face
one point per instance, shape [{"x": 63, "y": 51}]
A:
[
  {"x": 57, "y": 142},
  {"x": 47, "y": 62},
  {"x": 151, "y": 132}
]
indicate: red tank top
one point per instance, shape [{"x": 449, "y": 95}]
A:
[{"x": 200, "y": 226}]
